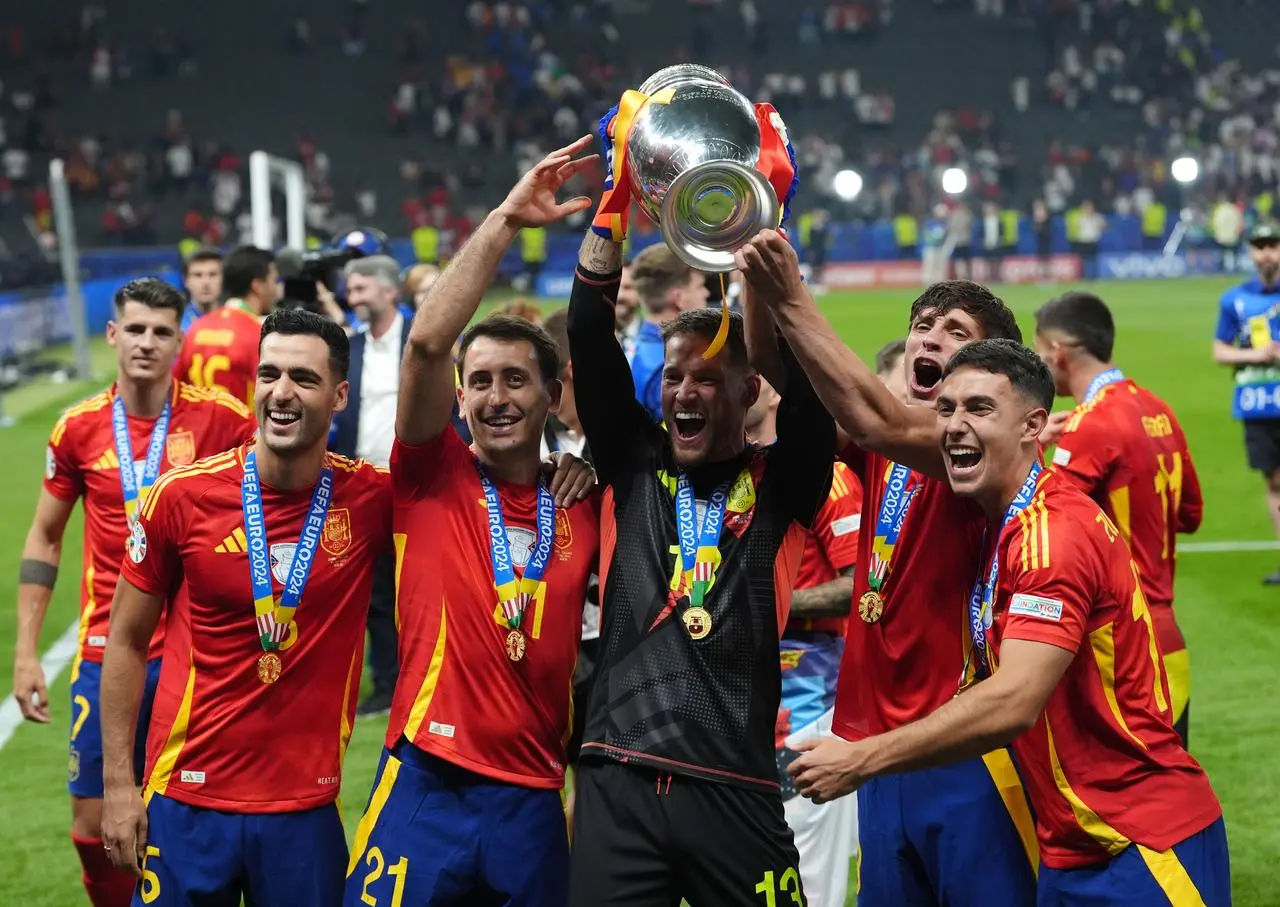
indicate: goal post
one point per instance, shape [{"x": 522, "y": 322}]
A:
[{"x": 264, "y": 171}]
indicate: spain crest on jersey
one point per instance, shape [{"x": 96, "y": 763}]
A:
[
  {"x": 564, "y": 530},
  {"x": 180, "y": 448},
  {"x": 335, "y": 539}
]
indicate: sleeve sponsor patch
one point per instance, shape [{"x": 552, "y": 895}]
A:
[
  {"x": 50, "y": 463},
  {"x": 1036, "y": 606},
  {"x": 1061, "y": 457},
  {"x": 846, "y": 524}
]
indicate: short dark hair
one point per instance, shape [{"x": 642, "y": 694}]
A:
[
  {"x": 1025, "y": 370},
  {"x": 1084, "y": 318},
  {"x": 153, "y": 293},
  {"x": 500, "y": 326},
  {"x": 557, "y": 327},
  {"x": 973, "y": 299},
  {"x": 242, "y": 266},
  {"x": 295, "y": 321},
  {"x": 204, "y": 253},
  {"x": 705, "y": 323},
  {"x": 888, "y": 354}
]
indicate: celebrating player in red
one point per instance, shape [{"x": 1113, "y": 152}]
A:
[
  {"x": 265, "y": 553},
  {"x": 826, "y": 835},
  {"x": 905, "y": 653},
  {"x": 220, "y": 349},
  {"x": 149, "y": 422},
  {"x": 492, "y": 578},
  {"x": 1068, "y": 669},
  {"x": 1123, "y": 447}
]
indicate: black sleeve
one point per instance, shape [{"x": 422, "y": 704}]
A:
[
  {"x": 806, "y": 446},
  {"x": 616, "y": 424}
]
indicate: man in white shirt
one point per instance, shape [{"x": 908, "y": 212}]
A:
[{"x": 366, "y": 428}]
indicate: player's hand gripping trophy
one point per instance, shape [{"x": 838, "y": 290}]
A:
[{"x": 706, "y": 165}]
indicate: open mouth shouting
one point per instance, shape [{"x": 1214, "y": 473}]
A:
[
  {"x": 689, "y": 425},
  {"x": 926, "y": 373},
  {"x": 962, "y": 459}
]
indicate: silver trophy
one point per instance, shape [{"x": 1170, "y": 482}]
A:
[{"x": 691, "y": 163}]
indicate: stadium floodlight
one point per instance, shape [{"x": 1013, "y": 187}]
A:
[
  {"x": 263, "y": 168},
  {"x": 1185, "y": 169},
  {"x": 847, "y": 185},
  {"x": 954, "y": 181}
]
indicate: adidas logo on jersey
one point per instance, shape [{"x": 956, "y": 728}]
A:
[{"x": 235, "y": 543}]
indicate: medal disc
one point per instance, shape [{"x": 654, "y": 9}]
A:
[
  {"x": 870, "y": 606},
  {"x": 698, "y": 621},
  {"x": 515, "y": 645},
  {"x": 269, "y": 667}
]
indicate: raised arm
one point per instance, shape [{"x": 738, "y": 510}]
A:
[
  {"x": 613, "y": 419},
  {"x": 873, "y": 418},
  {"x": 427, "y": 387},
  {"x": 762, "y": 339},
  {"x": 36, "y": 576}
]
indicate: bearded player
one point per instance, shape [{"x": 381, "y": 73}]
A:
[
  {"x": 150, "y": 422},
  {"x": 1123, "y": 446},
  {"x": 1068, "y": 667},
  {"x": 266, "y": 553},
  {"x": 827, "y": 835},
  {"x": 905, "y": 654},
  {"x": 492, "y": 575},
  {"x": 677, "y": 785}
]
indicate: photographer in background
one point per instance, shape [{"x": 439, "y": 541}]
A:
[{"x": 366, "y": 429}]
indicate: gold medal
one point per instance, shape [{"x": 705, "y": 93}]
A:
[
  {"x": 269, "y": 667},
  {"x": 870, "y": 606},
  {"x": 515, "y": 645},
  {"x": 698, "y": 620}
]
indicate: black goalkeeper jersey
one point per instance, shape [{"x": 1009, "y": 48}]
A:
[{"x": 704, "y": 707}]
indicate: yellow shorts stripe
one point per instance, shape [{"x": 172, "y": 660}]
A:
[
  {"x": 1000, "y": 764},
  {"x": 1177, "y": 667},
  {"x": 381, "y": 793},
  {"x": 1172, "y": 877}
]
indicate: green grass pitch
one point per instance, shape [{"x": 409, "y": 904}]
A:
[{"x": 1229, "y": 618}]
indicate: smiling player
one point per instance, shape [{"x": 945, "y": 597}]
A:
[
  {"x": 905, "y": 654},
  {"x": 1068, "y": 670}
]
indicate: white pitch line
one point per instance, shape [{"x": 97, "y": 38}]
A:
[
  {"x": 54, "y": 660},
  {"x": 1225, "y": 547}
]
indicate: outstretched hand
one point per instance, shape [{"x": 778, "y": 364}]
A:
[
  {"x": 532, "y": 203},
  {"x": 770, "y": 267}
]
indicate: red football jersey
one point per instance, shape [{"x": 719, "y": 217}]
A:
[
  {"x": 908, "y": 663},
  {"x": 1126, "y": 450},
  {"x": 1103, "y": 767},
  {"x": 82, "y": 462},
  {"x": 831, "y": 546},
  {"x": 459, "y": 696},
  {"x": 221, "y": 350},
  {"x": 220, "y": 737}
]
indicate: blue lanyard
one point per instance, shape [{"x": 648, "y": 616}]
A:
[
  {"x": 273, "y": 618},
  {"x": 893, "y": 513},
  {"x": 982, "y": 597},
  {"x": 514, "y": 594},
  {"x": 1101, "y": 380},
  {"x": 133, "y": 493},
  {"x": 699, "y": 550}
]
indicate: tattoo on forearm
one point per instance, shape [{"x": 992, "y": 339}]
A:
[
  {"x": 600, "y": 255},
  {"x": 37, "y": 573},
  {"x": 831, "y": 599}
]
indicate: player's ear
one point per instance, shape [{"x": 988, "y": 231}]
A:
[
  {"x": 555, "y": 390},
  {"x": 751, "y": 391},
  {"x": 340, "y": 396},
  {"x": 1034, "y": 424},
  {"x": 111, "y": 333}
]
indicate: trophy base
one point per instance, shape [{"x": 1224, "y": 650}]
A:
[{"x": 711, "y": 210}]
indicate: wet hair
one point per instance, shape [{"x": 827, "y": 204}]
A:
[
  {"x": 975, "y": 300},
  {"x": 299, "y": 321},
  {"x": 510, "y": 328},
  {"x": 153, "y": 293},
  {"x": 705, "y": 323},
  {"x": 1025, "y": 370},
  {"x": 1084, "y": 318}
]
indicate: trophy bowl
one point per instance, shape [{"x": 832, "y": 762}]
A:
[{"x": 691, "y": 162}]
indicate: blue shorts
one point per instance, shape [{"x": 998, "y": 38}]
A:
[
  {"x": 434, "y": 834},
  {"x": 84, "y": 771},
  {"x": 200, "y": 857},
  {"x": 1196, "y": 871},
  {"x": 923, "y": 834}
]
